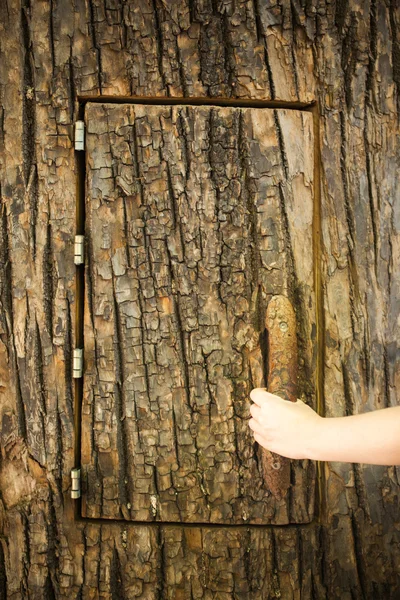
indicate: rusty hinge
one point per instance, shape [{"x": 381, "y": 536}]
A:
[
  {"x": 79, "y": 253},
  {"x": 75, "y": 483},
  {"x": 77, "y": 369},
  {"x": 79, "y": 135}
]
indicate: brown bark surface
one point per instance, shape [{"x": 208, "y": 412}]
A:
[
  {"x": 186, "y": 210},
  {"x": 346, "y": 57}
]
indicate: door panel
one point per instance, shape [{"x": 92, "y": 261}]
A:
[{"x": 195, "y": 218}]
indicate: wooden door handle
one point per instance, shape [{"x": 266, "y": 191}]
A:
[{"x": 280, "y": 322}]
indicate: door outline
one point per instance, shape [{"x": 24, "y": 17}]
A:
[{"x": 80, "y": 166}]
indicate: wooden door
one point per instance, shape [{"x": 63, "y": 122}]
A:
[{"x": 195, "y": 217}]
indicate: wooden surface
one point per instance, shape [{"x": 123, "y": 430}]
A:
[
  {"x": 344, "y": 55},
  {"x": 186, "y": 242}
]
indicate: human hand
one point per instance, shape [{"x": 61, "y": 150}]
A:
[{"x": 286, "y": 428}]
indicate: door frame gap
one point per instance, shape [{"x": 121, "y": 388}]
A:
[
  {"x": 80, "y": 169},
  {"x": 193, "y": 101}
]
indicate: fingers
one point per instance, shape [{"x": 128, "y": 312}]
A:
[
  {"x": 256, "y": 427},
  {"x": 257, "y": 395},
  {"x": 260, "y": 396},
  {"x": 255, "y": 411},
  {"x": 261, "y": 440}
]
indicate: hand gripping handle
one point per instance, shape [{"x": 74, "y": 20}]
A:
[{"x": 280, "y": 322}]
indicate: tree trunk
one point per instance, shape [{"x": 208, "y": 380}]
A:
[{"x": 236, "y": 152}]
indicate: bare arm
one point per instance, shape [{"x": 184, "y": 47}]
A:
[
  {"x": 372, "y": 437},
  {"x": 294, "y": 429}
]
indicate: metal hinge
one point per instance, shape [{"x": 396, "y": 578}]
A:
[
  {"x": 77, "y": 369},
  {"x": 75, "y": 483},
  {"x": 79, "y": 135},
  {"x": 79, "y": 257}
]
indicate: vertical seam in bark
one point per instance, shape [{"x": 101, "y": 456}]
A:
[
  {"x": 126, "y": 233},
  {"x": 347, "y": 206},
  {"x": 116, "y": 584},
  {"x": 143, "y": 329},
  {"x": 324, "y": 542},
  {"x": 366, "y": 347},
  {"x": 92, "y": 28},
  {"x": 59, "y": 448},
  {"x": 3, "y": 572},
  {"x": 386, "y": 368},
  {"x": 124, "y": 27},
  {"x": 358, "y": 552},
  {"x": 247, "y": 565},
  {"x": 349, "y": 57},
  {"x": 100, "y": 561},
  {"x": 116, "y": 185},
  {"x": 255, "y": 259},
  {"x": 51, "y": 37},
  {"x": 53, "y": 548},
  {"x": 90, "y": 278},
  {"x": 181, "y": 332},
  {"x": 258, "y": 22},
  {"x": 9, "y": 320},
  {"x": 192, "y": 9},
  {"x": 395, "y": 51},
  {"x": 161, "y": 567},
  {"x": 373, "y": 212},
  {"x": 32, "y": 195},
  {"x": 71, "y": 83},
  {"x": 26, "y": 325},
  {"x": 295, "y": 21},
  {"x": 293, "y": 284},
  {"x": 40, "y": 391},
  {"x": 300, "y": 555},
  {"x": 228, "y": 55},
  {"x": 181, "y": 70},
  {"x": 48, "y": 590},
  {"x": 120, "y": 402},
  {"x": 38, "y": 362},
  {"x": 181, "y": 128},
  {"x": 340, "y": 14},
  {"x": 359, "y": 488},
  {"x": 210, "y": 395},
  {"x": 368, "y": 103},
  {"x": 28, "y": 95},
  {"x": 281, "y": 144},
  {"x": 26, "y": 553},
  {"x": 29, "y": 123},
  {"x": 214, "y": 181},
  {"x": 48, "y": 288},
  {"x": 235, "y": 418},
  {"x": 174, "y": 436},
  {"x": 160, "y": 45},
  {"x": 373, "y": 53},
  {"x": 261, "y": 34},
  {"x": 274, "y": 566},
  {"x": 174, "y": 211},
  {"x": 317, "y": 243},
  {"x": 68, "y": 361},
  {"x": 348, "y": 396}
]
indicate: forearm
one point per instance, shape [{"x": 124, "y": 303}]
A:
[{"x": 372, "y": 438}]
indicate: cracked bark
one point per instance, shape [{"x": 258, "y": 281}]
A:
[
  {"x": 345, "y": 55},
  {"x": 199, "y": 301}
]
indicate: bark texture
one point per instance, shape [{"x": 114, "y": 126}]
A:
[
  {"x": 186, "y": 211},
  {"x": 344, "y": 55}
]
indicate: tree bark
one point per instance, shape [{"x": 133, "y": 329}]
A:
[
  {"x": 186, "y": 244},
  {"x": 345, "y": 57}
]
